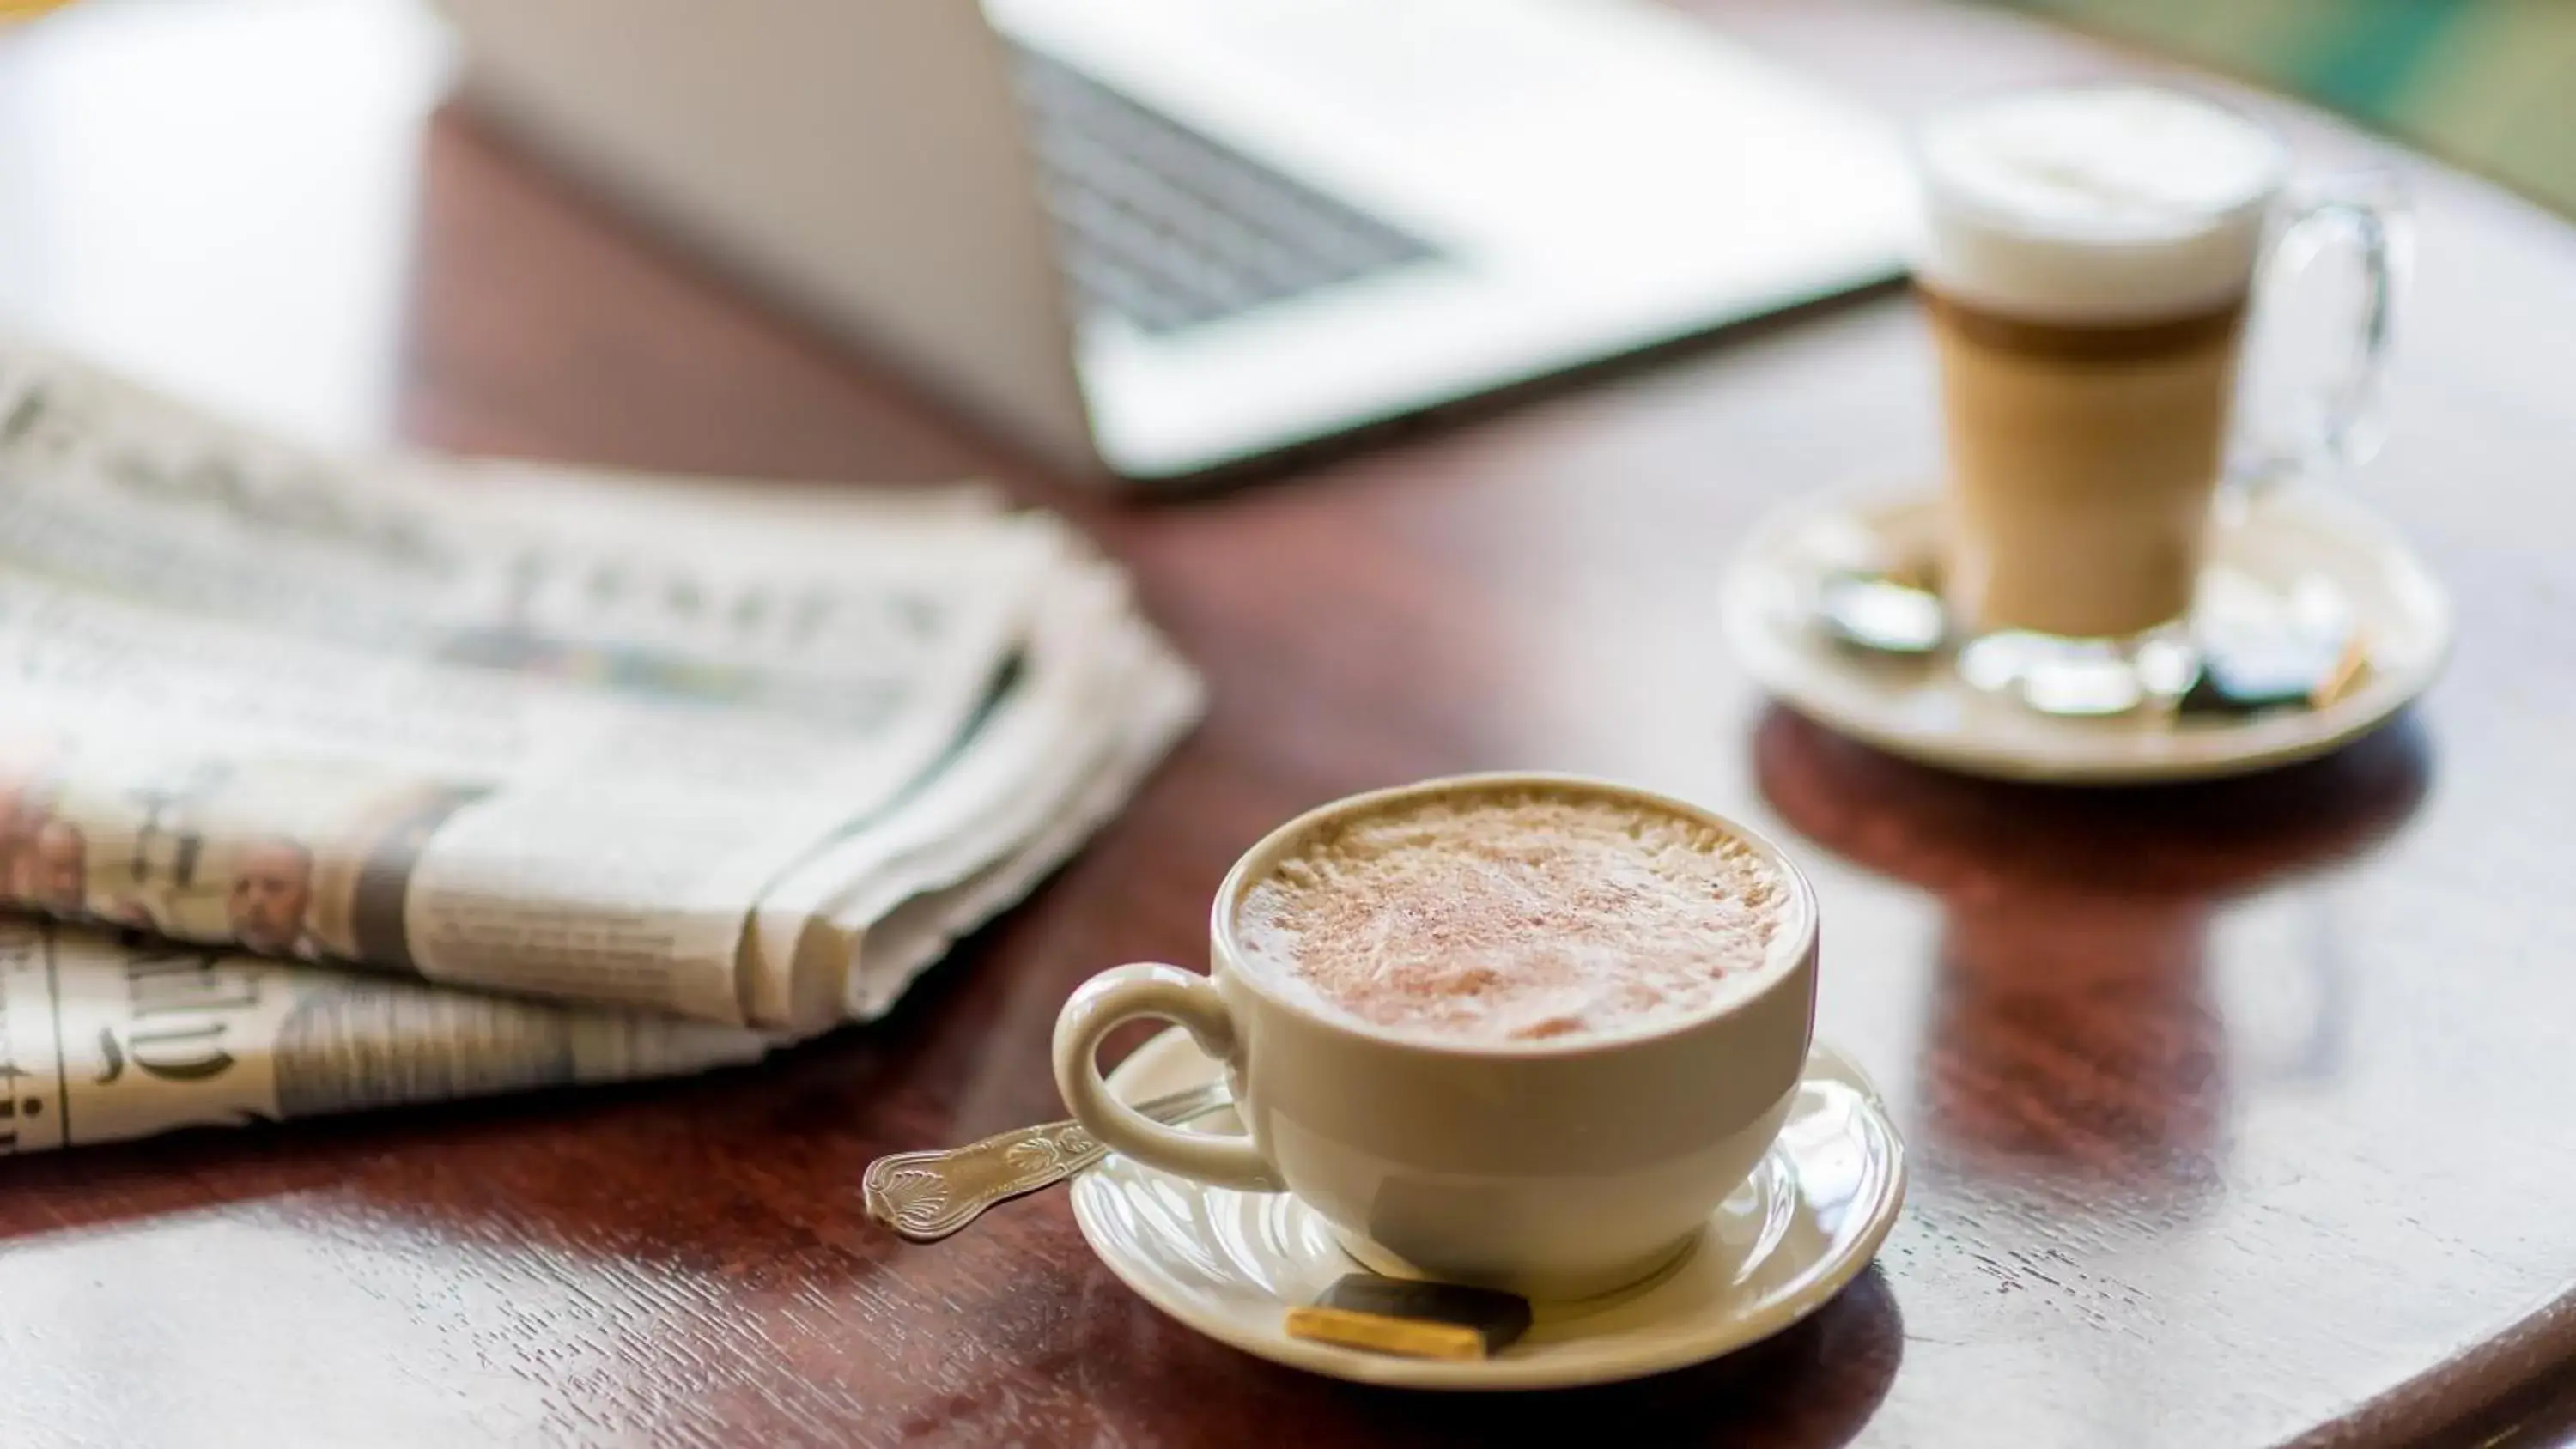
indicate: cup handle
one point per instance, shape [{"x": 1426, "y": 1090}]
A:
[
  {"x": 2337, "y": 423},
  {"x": 1120, "y": 995}
]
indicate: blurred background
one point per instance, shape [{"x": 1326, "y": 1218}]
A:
[
  {"x": 218, "y": 195},
  {"x": 2487, "y": 84}
]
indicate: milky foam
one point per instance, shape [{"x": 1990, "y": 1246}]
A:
[
  {"x": 1516, "y": 915},
  {"x": 2094, "y": 204}
]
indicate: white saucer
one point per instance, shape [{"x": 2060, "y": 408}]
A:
[
  {"x": 1231, "y": 1264},
  {"x": 2300, "y": 536}
]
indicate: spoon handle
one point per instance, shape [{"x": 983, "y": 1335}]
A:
[{"x": 925, "y": 1196}]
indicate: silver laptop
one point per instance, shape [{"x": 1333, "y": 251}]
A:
[{"x": 1154, "y": 238}]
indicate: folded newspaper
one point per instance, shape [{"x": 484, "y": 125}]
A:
[{"x": 351, "y": 782}]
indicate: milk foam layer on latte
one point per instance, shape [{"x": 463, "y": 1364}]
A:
[
  {"x": 1516, "y": 915},
  {"x": 2099, "y": 205}
]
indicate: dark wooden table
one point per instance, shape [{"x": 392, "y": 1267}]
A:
[{"x": 2239, "y": 1111}]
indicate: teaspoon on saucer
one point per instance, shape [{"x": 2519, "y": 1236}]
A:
[
  {"x": 2258, "y": 649},
  {"x": 2316, "y": 623}
]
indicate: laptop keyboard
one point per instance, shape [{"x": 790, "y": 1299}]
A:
[{"x": 1169, "y": 229}]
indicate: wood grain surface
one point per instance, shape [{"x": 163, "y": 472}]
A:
[{"x": 2239, "y": 1110}]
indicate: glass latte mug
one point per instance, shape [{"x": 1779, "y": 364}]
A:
[{"x": 2087, "y": 259}]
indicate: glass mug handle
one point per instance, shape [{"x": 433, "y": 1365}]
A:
[
  {"x": 2337, "y": 423},
  {"x": 1121, "y": 995}
]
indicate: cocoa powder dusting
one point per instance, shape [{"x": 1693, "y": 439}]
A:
[{"x": 1515, "y": 915}]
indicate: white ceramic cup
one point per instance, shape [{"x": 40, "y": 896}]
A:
[{"x": 1554, "y": 1169}]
